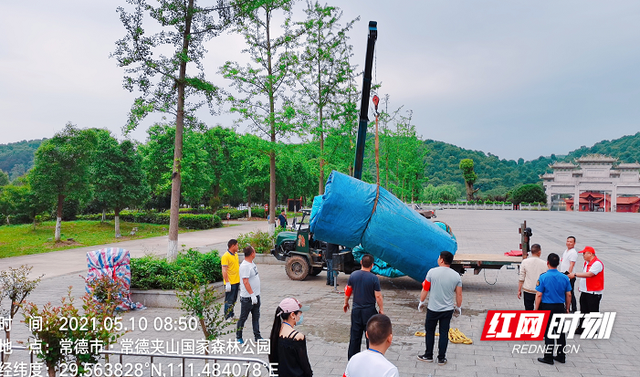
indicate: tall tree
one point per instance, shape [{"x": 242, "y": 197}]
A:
[
  {"x": 224, "y": 156},
  {"x": 470, "y": 176},
  {"x": 262, "y": 87},
  {"x": 324, "y": 68},
  {"x": 118, "y": 176},
  {"x": 163, "y": 80},
  {"x": 62, "y": 168},
  {"x": 4, "y": 178}
]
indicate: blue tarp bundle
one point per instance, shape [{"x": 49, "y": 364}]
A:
[
  {"x": 395, "y": 233},
  {"x": 380, "y": 267}
]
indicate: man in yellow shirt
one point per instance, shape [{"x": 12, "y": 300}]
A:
[{"x": 231, "y": 276}]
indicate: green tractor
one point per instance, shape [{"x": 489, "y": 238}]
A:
[{"x": 305, "y": 255}]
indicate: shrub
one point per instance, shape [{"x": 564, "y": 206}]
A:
[
  {"x": 190, "y": 267},
  {"x": 191, "y": 221},
  {"x": 262, "y": 242},
  {"x": 258, "y": 212},
  {"x": 235, "y": 213}
]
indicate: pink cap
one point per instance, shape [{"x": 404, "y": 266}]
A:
[{"x": 290, "y": 305}]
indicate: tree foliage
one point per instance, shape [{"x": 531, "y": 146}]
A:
[
  {"x": 117, "y": 175},
  {"x": 529, "y": 193},
  {"x": 323, "y": 71},
  {"x": 61, "y": 168},
  {"x": 263, "y": 85},
  {"x": 162, "y": 80}
]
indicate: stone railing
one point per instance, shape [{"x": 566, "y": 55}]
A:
[{"x": 501, "y": 207}]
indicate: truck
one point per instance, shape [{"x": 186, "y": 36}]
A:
[{"x": 306, "y": 256}]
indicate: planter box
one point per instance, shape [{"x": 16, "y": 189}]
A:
[{"x": 158, "y": 298}]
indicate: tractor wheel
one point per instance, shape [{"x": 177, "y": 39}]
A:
[
  {"x": 315, "y": 271},
  {"x": 297, "y": 268}
]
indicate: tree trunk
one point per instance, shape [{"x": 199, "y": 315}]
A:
[
  {"x": 117, "y": 222},
  {"x": 249, "y": 202},
  {"x": 469, "y": 187},
  {"x": 321, "y": 182},
  {"x": 104, "y": 215},
  {"x": 7, "y": 335},
  {"x": 51, "y": 369},
  {"x": 272, "y": 124},
  {"x": 172, "y": 247},
  {"x": 59, "y": 218}
]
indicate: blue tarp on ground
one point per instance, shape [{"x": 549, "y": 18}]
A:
[{"x": 395, "y": 233}]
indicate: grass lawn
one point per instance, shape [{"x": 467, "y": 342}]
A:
[{"x": 22, "y": 239}]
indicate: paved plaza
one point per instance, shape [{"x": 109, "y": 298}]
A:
[{"x": 615, "y": 236}]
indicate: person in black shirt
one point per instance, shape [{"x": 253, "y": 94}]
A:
[
  {"x": 365, "y": 287},
  {"x": 332, "y": 249},
  {"x": 283, "y": 219},
  {"x": 288, "y": 346}
]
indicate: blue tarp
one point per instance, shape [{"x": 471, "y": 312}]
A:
[
  {"x": 380, "y": 267},
  {"x": 395, "y": 233}
]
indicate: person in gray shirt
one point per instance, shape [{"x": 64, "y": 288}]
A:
[{"x": 444, "y": 284}]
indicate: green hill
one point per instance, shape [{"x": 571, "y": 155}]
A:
[
  {"x": 17, "y": 158},
  {"x": 493, "y": 173}
]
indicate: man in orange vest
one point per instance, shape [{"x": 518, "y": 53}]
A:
[{"x": 591, "y": 282}]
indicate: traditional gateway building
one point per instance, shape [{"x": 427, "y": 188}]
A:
[{"x": 597, "y": 183}]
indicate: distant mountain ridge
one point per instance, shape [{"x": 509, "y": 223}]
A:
[
  {"x": 17, "y": 158},
  {"x": 443, "y": 160}
]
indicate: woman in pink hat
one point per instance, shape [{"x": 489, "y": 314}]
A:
[{"x": 288, "y": 346}]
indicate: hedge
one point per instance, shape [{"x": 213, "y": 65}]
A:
[
  {"x": 150, "y": 272},
  {"x": 189, "y": 221}
]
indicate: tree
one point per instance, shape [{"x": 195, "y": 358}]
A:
[
  {"x": 324, "y": 68},
  {"x": 529, "y": 193},
  {"x": 444, "y": 193},
  {"x": 466, "y": 165},
  {"x": 4, "y": 178},
  {"x": 163, "y": 80},
  {"x": 62, "y": 168},
  {"x": 268, "y": 80},
  {"x": 118, "y": 176},
  {"x": 197, "y": 171},
  {"x": 224, "y": 157}
]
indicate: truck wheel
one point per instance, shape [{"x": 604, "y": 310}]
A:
[
  {"x": 315, "y": 271},
  {"x": 297, "y": 268}
]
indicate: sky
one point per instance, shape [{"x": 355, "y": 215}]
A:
[{"x": 511, "y": 78}]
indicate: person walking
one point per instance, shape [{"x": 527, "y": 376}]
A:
[
  {"x": 365, "y": 287},
  {"x": 591, "y": 284},
  {"x": 530, "y": 270},
  {"x": 231, "y": 277},
  {"x": 567, "y": 266},
  {"x": 372, "y": 363},
  {"x": 443, "y": 284},
  {"x": 249, "y": 294},
  {"x": 553, "y": 294},
  {"x": 288, "y": 346}
]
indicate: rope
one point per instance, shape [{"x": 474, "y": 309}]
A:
[
  {"x": 375, "y": 203},
  {"x": 485, "y": 277}
]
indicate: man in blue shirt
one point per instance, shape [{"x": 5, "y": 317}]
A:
[{"x": 553, "y": 294}]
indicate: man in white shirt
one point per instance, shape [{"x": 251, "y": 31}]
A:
[
  {"x": 567, "y": 266},
  {"x": 372, "y": 363},
  {"x": 591, "y": 283},
  {"x": 530, "y": 271},
  {"x": 249, "y": 294}
]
